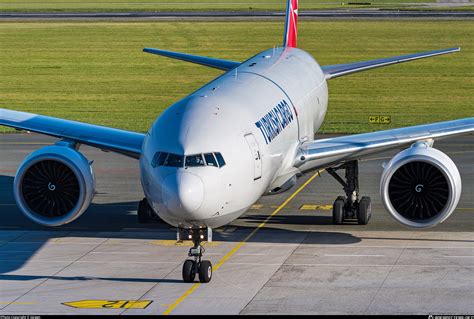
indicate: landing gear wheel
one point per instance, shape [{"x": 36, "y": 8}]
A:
[
  {"x": 364, "y": 211},
  {"x": 195, "y": 265},
  {"x": 338, "y": 211},
  {"x": 188, "y": 271},
  {"x": 205, "y": 271},
  {"x": 145, "y": 213}
]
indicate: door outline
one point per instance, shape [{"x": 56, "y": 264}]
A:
[{"x": 256, "y": 155}]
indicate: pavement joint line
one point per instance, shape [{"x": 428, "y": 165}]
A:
[
  {"x": 336, "y": 255},
  {"x": 119, "y": 252},
  {"x": 458, "y": 256},
  {"x": 242, "y": 243},
  {"x": 373, "y": 265},
  {"x": 385, "y": 279},
  {"x": 56, "y": 243},
  {"x": 8, "y": 241},
  {"x": 279, "y": 265},
  {"x": 90, "y": 262},
  {"x": 49, "y": 277},
  {"x": 152, "y": 287}
]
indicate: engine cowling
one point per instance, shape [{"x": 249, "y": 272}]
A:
[
  {"x": 54, "y": 185},
  {"x": 420, "y": 186}
]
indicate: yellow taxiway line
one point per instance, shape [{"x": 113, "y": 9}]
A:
[{"x": 239, "y": 245}]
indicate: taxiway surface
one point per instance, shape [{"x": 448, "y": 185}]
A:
[{"x": 293, "y": 262}]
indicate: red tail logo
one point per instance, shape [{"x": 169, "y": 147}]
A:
[{"x": 291, "y": 26}]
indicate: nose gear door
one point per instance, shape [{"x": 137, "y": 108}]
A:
[{"x": 255, "y": 151}]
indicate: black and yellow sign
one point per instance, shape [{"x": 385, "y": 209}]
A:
[
  {"x": 380, "y": 119},
  {"x": 109, "y": 304}
]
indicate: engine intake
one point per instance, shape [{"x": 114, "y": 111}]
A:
[
  {"x": 420, "y": 186},
  {"x": 54, "y": 185}
]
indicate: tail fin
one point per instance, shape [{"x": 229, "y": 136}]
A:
[{"x": 291, "y": 25}]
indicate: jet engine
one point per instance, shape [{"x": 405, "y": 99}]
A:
[
  {"x": 420, "y": 186},
  {"x": 54, "y": 185}
]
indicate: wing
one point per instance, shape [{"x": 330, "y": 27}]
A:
[
  {"x": 106, "y": 138},
  {"x": 325, "y": 152},
  {"x": 334, "y": 71},
  {"x": 202, "y": 60}
]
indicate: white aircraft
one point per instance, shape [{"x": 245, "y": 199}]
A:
[{"x": 247, "y": 133}]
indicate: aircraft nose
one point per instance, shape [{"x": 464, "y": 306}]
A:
[{"x": 183, "y": 193}]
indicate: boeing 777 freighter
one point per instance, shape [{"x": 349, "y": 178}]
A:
[{"x": 249, "y": 132}]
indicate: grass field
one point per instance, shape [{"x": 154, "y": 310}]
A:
[
  {"x": 207, "y": 5},
  {"x": 96, "y": 72}
]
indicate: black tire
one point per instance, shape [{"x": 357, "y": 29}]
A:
[
  {"x": 338, "y": 211},
  {"x": 188, "y": 271},
  {"x": 142, "y": 212},
  {"x": 205, "y": 271},
  {"x": 364, "y": 212},
  {"x": 145, "y": 213}
]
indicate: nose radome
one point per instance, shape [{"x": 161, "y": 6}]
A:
[{"x": 183, "y": 193}]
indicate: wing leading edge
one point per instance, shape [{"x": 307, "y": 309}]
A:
[
  {"x": 321, "y": 153},
  {"x": 337, "y": 70},
  {"x": 106, "y": 138},
  {"x": 220, "y": 64}
]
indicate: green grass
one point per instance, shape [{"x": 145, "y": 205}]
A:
[
  {"x": 96, "y": 72},
  {"x": 192, "y": 5}
]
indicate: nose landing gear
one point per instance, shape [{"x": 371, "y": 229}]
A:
[{"x": 191, "y": 267}]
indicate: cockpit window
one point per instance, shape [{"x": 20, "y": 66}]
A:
[
  {"x": 158, "y": 159},
  {"x": 194, "y": 160},
  {"x": 220, "y": 159},
  {"x": 174, "y": 160},
  {"x": 210, "y": 159}
]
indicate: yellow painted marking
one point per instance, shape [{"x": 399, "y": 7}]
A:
[
  {"x": 465, "y": 208},
  {"x": 242, "y": 243},
  {"x": 315, "y": 207},
  {"x": 181, "y": 243},
  {"x": 109, "y": 304},
  {"x": 380, "y": 119},
  {"x": 256, "y": 206}
]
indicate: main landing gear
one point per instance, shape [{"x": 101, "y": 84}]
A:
[
  {"x": 350, "y": 208},
  {"x": 145, "y": 213},
  {"x": 196, "y": 265}
]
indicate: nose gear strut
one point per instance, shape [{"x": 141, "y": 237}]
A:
[{"x": 196, "y": 265}]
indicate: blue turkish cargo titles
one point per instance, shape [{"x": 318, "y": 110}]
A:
[{"x": 275, "y": 121}]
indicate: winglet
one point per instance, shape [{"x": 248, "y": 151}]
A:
[{"x": 291, "y": 25}]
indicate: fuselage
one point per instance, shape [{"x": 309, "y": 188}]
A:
[{"x": 210, "y": 156}]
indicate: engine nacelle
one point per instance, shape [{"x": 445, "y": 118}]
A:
[
  {"x": 420, "y": 186},
  {"x": 54, "y": 185}
]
